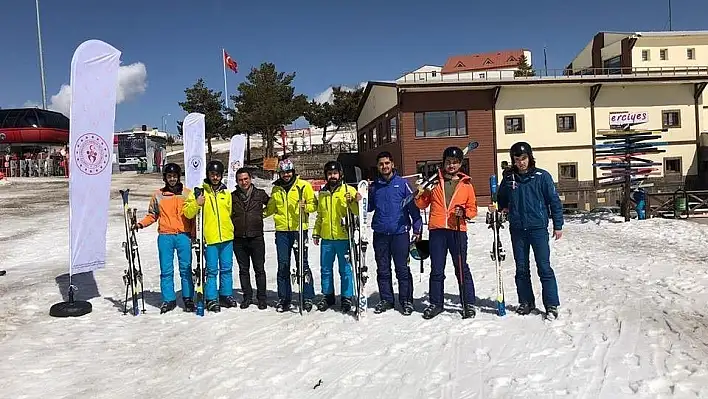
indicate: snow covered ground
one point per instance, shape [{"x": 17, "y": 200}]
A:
[{"x": 633, "y": 322}]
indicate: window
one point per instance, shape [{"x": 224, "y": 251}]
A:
[
  {"x": 671, "y": 118},
  {"x": 565, "y": 123},
  {"x": 393, "y": 128},
  {"x": 373, "y": 138},
  {"x": 672, "y": 166},
  {"x": 645, "y": 55},
  {"x": 514, "y": 124},
  {"x": 482, "y": 75},
  {"x": 429, "y": 168},
  {"x": 664, "y": 54},
  {"x": 441, "y": 124},
  {"x": 568, "y": 171},
  {"x": 690, "y": 53},
  {"x": 613, "y": 65}
]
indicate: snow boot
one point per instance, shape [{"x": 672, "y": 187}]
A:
[
  {"x": 407, "y": 308},
  {"x": 432, "y": 311},
  {"x": 307, "y": 305},
  {"x": 246, "y": 303},
  {"x": 262, "y": 304},
  {"x": 551, "y": 312},
  {"x": 325, "y": 303},
  {"x": 468, "y": 312},
  {"x": 282, "y": 306},
  {"x": 188, "y": 305},
  {"x": 213, "y": 306},
  {"x": 346, "y": 305},
  {"x": 382, "y": 307},
  {"x": 525, "y": 308},
  {"x": 227, "y": 301},
  {"x": 167, "y": 306}
]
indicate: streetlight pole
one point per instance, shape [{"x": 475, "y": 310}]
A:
[
  {"x": 41, "y": 58},
  {"x": 164, "y": 122}
]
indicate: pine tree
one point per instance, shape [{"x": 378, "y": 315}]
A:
[{"x": 524, "y": 68}]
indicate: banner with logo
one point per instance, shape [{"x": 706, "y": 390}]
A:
[
  {"x": 193, "y": 136},
  {"x": 94, "y": 83},
  {"x": 236, "y": 154}
]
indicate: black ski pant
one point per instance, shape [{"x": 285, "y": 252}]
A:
[{"x": 249, "y": 249}]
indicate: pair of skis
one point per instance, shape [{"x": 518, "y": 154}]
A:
[
  {"x": 358, "y": 229},
  {"x": 496, "y": 222},
  {"x": 133, "y": 274},
  {"x": 297, "y": 271},
  {"x": 199, "y": 270}
]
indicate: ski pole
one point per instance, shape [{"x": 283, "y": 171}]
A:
[{"x": 463, "y": 292}]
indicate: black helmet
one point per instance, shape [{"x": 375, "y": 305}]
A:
[
  {"x": 453, "y": 152},
  {"x": 519, "y": 149},
  {"x": 332, "y": 165},
  {"x": 171, "y": 168},
  {"x": 215, "y": 166}
]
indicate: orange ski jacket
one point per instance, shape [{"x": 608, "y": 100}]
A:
[{"x": 442, "y": 216}]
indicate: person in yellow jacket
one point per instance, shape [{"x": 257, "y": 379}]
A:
[
  {"x": 333, "y": 201},
  {"x": 285, "y": 208},
  {"x": 215, "y": 202}
]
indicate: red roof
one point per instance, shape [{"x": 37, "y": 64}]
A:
[{"x": 478, "y": 62}]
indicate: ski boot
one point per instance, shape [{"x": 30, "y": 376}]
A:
[
  {"x": 189, "y": 305},
  {"x": 551, "y": 313},
  {"x": 282, "y": 306},
  {"x": 346, "y": 305},
  {"x": 167, "y": 306},
  {"x": 325, "y": 303},
  {"x": 262, "y": 305},
  {"x": 432, "y": 311},
  {"x": 383, "y": 306},
  {"x": 246, "y": 303},
  {"x": 525, "y": 308},
  {"x": 213, "y": 306},
  {"x": 307, "y": 305},
  {"x": 468, "y": 312},
  {"x": 407, "y": 308},
  {"x": 227, "y": 301}
]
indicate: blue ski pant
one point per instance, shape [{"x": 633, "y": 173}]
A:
[
  {"x": 442, "y": 242},
  {"x": 284, "y": 241},
  {"x": 167, "y": 244},
  {"x": 329, "y": 249},
  {"x": 393, "y": 246},
  {"x": 522, "y": 241},
  {"x": 219, "y": 262}
]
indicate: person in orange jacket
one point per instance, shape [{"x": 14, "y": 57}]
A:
[
  {"x": 175, "y": 232},
  {"x": 452, "y": 201}
]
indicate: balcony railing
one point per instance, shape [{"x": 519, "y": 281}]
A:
[{"x": 551, "y": 74}]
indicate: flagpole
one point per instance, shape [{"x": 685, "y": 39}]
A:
[{"x": 226, "y": 89}]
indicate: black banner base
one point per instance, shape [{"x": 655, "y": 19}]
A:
[{"x": 70, "y": 309}]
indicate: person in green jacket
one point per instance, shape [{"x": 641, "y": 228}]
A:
[
  {"x": 333, "y": 200},
  {"x": 285, "y": 208},
  {"x": 218, "y": 232}
]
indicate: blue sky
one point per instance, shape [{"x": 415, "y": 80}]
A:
[{"x": 326, "y": 42}]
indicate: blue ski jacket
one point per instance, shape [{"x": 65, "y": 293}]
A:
[
  {"x": 385, "y": 199},
  {"x": 528, "y": 198}
]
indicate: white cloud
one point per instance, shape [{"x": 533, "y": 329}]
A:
[
  {"x": 327, "y": 96},
  {"x": 132, "y": 81}
]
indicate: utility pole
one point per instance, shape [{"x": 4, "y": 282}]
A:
[
  {"x": 670, "y": 15},
  {"x": 41, "y": 58}
]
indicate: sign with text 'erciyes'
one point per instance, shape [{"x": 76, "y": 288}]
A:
[{"x": 628, "y": 118}]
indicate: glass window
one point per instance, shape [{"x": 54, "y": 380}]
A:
[
  {"x": 441, "y": 124},
  {"x": 393, "y": 128}
]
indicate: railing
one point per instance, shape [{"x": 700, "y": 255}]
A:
[
  {"x": 329, "y": 148},
  {"x": 543, "y": 74},
  {"x": 678, "y": 204}
]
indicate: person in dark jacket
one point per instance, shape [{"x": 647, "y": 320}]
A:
[
  {"x": 249, "y": 202},
  {"x": 525, "y": 194},
  {"x": 391, "y": 225}
]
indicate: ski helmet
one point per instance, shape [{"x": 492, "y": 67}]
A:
[
  {"x": 453, "y": 152},
  {"x": 286, "y": 165},
  {"x": 520, "y": 148},
  {"x": 171, "y": 168},
  {"x": 332, "y": 165},
  {"x": 215, "y": 166}
]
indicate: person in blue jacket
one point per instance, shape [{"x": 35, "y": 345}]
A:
[
  {"x": 391, "y": 225},
  {"x": 525, "y": 195}
]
